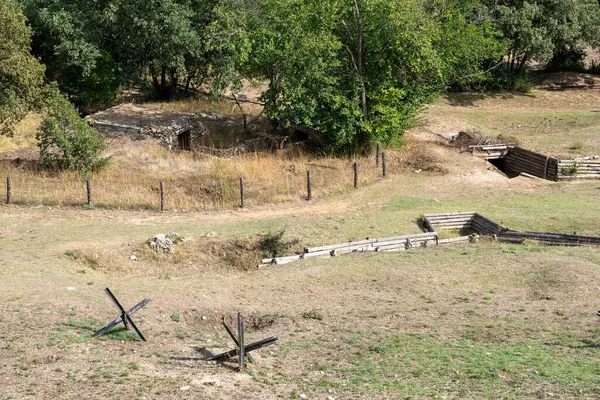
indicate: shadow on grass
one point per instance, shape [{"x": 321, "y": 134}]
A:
[{"x": 468, "y": 99}]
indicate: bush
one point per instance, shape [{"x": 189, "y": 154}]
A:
[
  {"x": 273, "y": 245},
  {"x": 66, "y": 141}
]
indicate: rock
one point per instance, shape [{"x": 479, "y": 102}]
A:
[
  {"x": 173, "y": 235},
  {"x": 161, "y": 244},
  {"x": 185, "y": 388},
  {"x": 303, "y": 396},
  {"x": 133, "y": 257},
  {"x": 211, "y": 234}
]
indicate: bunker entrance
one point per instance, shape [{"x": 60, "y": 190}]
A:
[
  {"x": 500, "y": 164},
  {"x": 184, "y": 141}
]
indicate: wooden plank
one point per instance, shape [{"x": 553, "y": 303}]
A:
[
  {"x": 448, "y": 214},
  {"x": 363, "y": 242},
  {"x": 459, "y": 239}
]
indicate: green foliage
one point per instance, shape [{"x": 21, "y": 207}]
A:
[
  {"x": 75, "y": 41},
  {"x": 21, "y": 75},
  {"x": 66, "y": 141},
  {"x": 273, "y": 244},
  {"x": 313, "y": 314},
  {"x": 555, "y": 32},
  {"x": 569, "y": 171},
  {"x": 358, "y": 74}
]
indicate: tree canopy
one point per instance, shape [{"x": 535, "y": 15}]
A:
[
  {"x": 357, "y": 71},
  {"x": 21, "y": 75}
]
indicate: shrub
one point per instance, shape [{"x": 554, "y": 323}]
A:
[
  {"x": 66, "y": 141},
  {"x": 569, "y": 171},
  {"x": 273, "y": 245}
]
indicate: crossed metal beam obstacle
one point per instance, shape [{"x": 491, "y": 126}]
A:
[{"x": 241, "y": 351}]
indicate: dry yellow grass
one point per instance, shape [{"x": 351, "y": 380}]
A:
[
  {"x": 193, "y": 182},
  {"x": 24, "y": 134}
]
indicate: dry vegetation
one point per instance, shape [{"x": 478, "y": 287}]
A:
[
  {"x": 483, "y": 320},
  {"x": 193, "y": 181}
]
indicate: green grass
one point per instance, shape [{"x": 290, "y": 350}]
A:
[{"x": 408, "y": 365}]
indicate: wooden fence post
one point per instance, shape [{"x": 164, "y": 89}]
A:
[
  {"x": 242, "y": 352},
  {"x": 383, "y": 165},
  {"x": 162, "y": 196},
  {"x": 308, "y": 187},
  {"x": 88, "y": 186},
  {"x": 355, "y": 175},
  {"x": 8, "y": 189},
  {"x": 377, "y": 155},
  {"x": 241, "y": 192}
]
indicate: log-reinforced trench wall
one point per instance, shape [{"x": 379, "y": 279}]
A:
[
  {"x": 465, "y": 221},
  {"x": 519, "y": 160},
  {"x": 579, "y": 168}
]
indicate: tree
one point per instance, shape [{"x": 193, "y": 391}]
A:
[
  {"x": 74, "y": 39},
  {"x": 545, "y": 30},
  {"x": 66, "y": 141},
  {"x": 21, "y": 75},
  {"x": 358, "y": 71}
]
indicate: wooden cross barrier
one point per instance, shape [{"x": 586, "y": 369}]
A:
[
  {"x": 125, "y": 316},
  {"x": 242, "y": 350}
]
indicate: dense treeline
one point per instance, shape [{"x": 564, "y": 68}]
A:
[{"x": 357, "y": 70}]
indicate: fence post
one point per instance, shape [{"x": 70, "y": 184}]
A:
[
  {"x": 355, "y": 175},
  {"x": 383, "y": 165},
  {"x": 242, "y": 352},
  {"x": 308, "y": 187},
  {"x": 242, "y": 192},
  {"x": 377, "y": 155},
  {"x": 162, "y": 196},
  {"x": 8, "y": 189},
  {"x": 88, "y": 186}
]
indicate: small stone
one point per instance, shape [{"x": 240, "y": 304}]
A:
[
  {"x": 183, "y": 388},
  {"x": 330, "y": 398},
  {"x": 303, "y": 396},
  {"x": 204, "y": 318},
  {"x": 71, "y": 289},
  {"x": 211, "y": 234},
  {"x": 133, "y": 257}
]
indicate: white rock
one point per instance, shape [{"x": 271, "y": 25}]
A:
[
  {"x": 71, "y": 288},
  {"x": 133, "y": 258},
  {"x": 303, "y": 396},
  {"x": 161, "y": 244},
  {"x": 185, "y": 388}
]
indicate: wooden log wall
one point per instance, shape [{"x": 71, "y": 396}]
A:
[
  {"x": 519, "y": 160},
  {"x": 491, "y": 151},
  {"x": 581, "y": 168},
  {"x": 549, "y": 238},
  {"x": 450, "y": 221},
  {"x": 388, "y": 244}
]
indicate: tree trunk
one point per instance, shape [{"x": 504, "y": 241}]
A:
[
  {"x": 521, "y": 68},
  {"x": 155, "y": 82},
  {"x": 163, "y": 82}
]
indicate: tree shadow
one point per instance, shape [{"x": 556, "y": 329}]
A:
[{"x": 469, "y": 99}]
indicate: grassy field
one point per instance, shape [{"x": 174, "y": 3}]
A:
[
  {"x": 482, "y": 320},
  {"x": 563, "y": 124}
]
